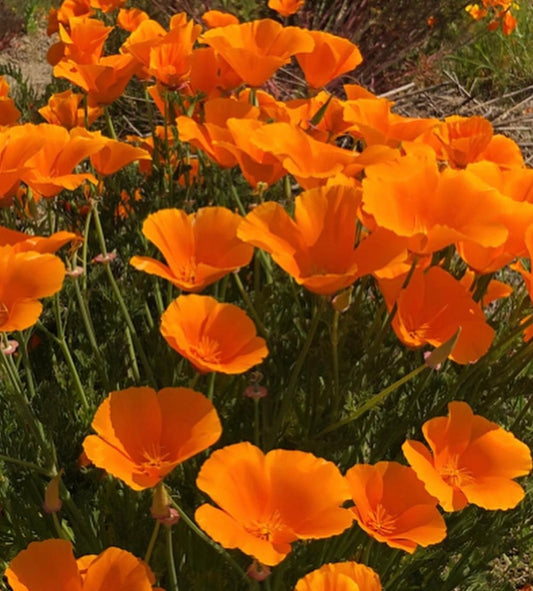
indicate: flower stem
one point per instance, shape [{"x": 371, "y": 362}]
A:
[
  {"x": 171, "y": 563},
  {"x": 151, "y": 543}
]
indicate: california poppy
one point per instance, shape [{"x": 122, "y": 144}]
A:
[
  {"x": 255, "y": 50},
  {"x": 285, "y": 7},
  {"x": 314, "y": 248},
  {"x": 130, "y": 18},
  {"x": 434, "y": 307},
  {"x": 199, "y": 248},
  {"x": 267, "y": 501},
  {"x": 212, "y": 336},
  {"x": 330, "y": 57},
  {"x": 22, "y": 242},
  {"x": 65, "y": 12},
  {"x": 470, "y": 460},
  {"x": 217, "y": 18},
  {"x": 64, "y": 109},
  {"x": 142, "y": 435},
  {"x": 50, "y": 566},
  {"x": 9, "y": 113},
  {"x": 392, "y": 506},
  {"x": 340, "y": 576},
  {"x": 25, "y": 277}
]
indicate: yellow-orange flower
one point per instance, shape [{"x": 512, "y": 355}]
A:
[
  {"x": 212, "y": 336},
  {"x": 340, "y": 576},
  {"x": 50, "y": 566},
  {"x": 285, "y": 7},
  {"x": 63, "y": 109},
  {"x": 22, "y": 242},
  {"x": 470, "y": 460},
  {"x": 267, "y": 501},
  {"x": 392, "y": 506},
  {"x": 25, "y": 277},
  {"x": 142, "y": 435},
  {"x": 199, "y": 248}
]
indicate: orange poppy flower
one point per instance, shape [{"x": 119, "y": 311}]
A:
[
  {"x": 81, "y": 41},
  {"x": 63, "y": 109},
  {"x": 22, "y": 242},
  {"x": 340, "y": 576},
  {"x": 142, "y": 435},
  {"x": 267, "y": 501},
  {"x": 285, "y": 7},
  {"x": 67, "y": 10},
  {"x": 392, "y": 506},
  {"x": 217, "y": 18},
  {"x": 107, "y": 5},
  {"x": 432, "y": 309},
  {"x": 9, "y": 113},
  {"x": 255, "y": 50},
  {"x": 470, "y": 460},
  {"x": 331, "y": 57},
  {"x": 317, "y": 251},
  {"x": 211, "y": 73},
  {"x": 212, "y": 336},
  {"x": 26, "y": 277},
  {"x": 199, "y": 248},
  {"x": 50, "y": 566},
  {"x": 130, "y": 18}
]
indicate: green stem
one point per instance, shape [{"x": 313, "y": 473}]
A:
[
  {"x": 376, "y": 400},
  {"x": 335, "y": 360},
  {"x": 109, "y": 123},
  {"x": 249, "y": 304},
  {"x": 171, "y": 563},
  {"x": 208, "y": 540},
  {"x": 60, "y": 529},
  {"x": 211, "y": 386},
  {"x": 151, "y": 543},
  {"x": 23, "y": 464}
]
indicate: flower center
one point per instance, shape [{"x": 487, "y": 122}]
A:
[
  {"x": 455, "y": 475},
  {"x": 187, "y": 271},
  {"x": 381, "y": 521},
  {"x": 208, "y": 349},
  {"x": 268, "y": 530},
  {"x": 153, "y": 458}
]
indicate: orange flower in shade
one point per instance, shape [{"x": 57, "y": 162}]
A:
[
  {"x": 130, "y": 18},
  {"x": 340, "y": 576},
  {"x": 331, "y": 57},
  {"x": 142, "y": 435},
  {"x": 432, "y": 309},
  {"x": 212, "y": 336},
  {"x": 107, "y": 5},
  {"x": 22, "y": 242},
  {"x": 392, "y": 506},
  {"x": 9, "y": 113},
  {"x": 25, "y": 277},
  {"x": 285, "y": 7},
  {"x": 255, "y": 50},
  {"x": 199, "y": 248},
  {"x": 50, "y": 566},
  {"x": 314, "y": 248},
  {"x": 470, "y": 460},
  {"x": 267, "y": 501},
  {"x": 64, "y": 109},
  {"x": 217, "y": 18}
]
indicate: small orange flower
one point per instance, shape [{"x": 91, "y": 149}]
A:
[
  {"x": 130, "y": 18},
  {"x": 26, "y": 277},
  {"x": 217, "y": 18},
  {"x": 22, "y": 242},
  {"x": 392, "y": 506},
  {"x": 142, "y": 435},
  {"x": 199, "y": 248},
  {"x": 330, "y": 57},
  {"x": 63, "y": 109},
  {"x": 9, "y": 113},
  {"x": 340, "y": 576},
  {"x": 285, "y": 7},
  {"x": 212, "y": 336},
  {"x": 267, "y": 501},
  {"x": 50, "y": 566},
  {"x": 470, "y": 460}
]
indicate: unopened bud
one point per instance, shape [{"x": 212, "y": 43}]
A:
[
  {"x": 161, "y": 509},
  {"x": 343, "y": 300},
  {"x": 258, "y": 571},
  {"x": 52, "y": 502}
]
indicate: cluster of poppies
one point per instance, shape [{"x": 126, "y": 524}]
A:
[
  {"x": 497, "y": 12},
  {"x": 424, "y": 207}
]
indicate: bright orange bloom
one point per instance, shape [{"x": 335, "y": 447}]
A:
[
  {"x": 199, "y": 248},
  {"x": 314, "y": 248},
  {"x": 142, "y": 435},
  {"x": 340, "y": 576},
  {"x": 330, "y": 57},
  {"x": 267, "y": 501},
  {"x": 63, "y": 109},
  {"x": 431, "y": 310},
  {"x": 211, "y": 73},
  {"x": 9, "y": 113},
  {"x": 285, "y": 7},
  {"x": 255, "y": 50},
  {"x": 50, "y": 566},
  {"x": 81, "y": 41},
  {"x": 470, "y": 460},
  {"x": 212, "y": 336},
  {"x": 103, "y": 81},
  {"x": 107, "y": 5},
  {"x": 130, "y": 18},
  {"x": 392, "y": 506},
  {"x": 67, "y": 10},
  {"x": 25, "y": 277},
  {"x": 217, "y": 18},
  {"x": 24, "y": 242}
]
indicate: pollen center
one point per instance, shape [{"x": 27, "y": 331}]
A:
[
  {"x": 187, "y": 271},
  {"x": 153, "y": 458},
  {"x": 455, "y": 475},
  {"x": 381, "y": 521},
  {"x": 208, "y": 349},
  {"x": 269, "y": 529}
]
